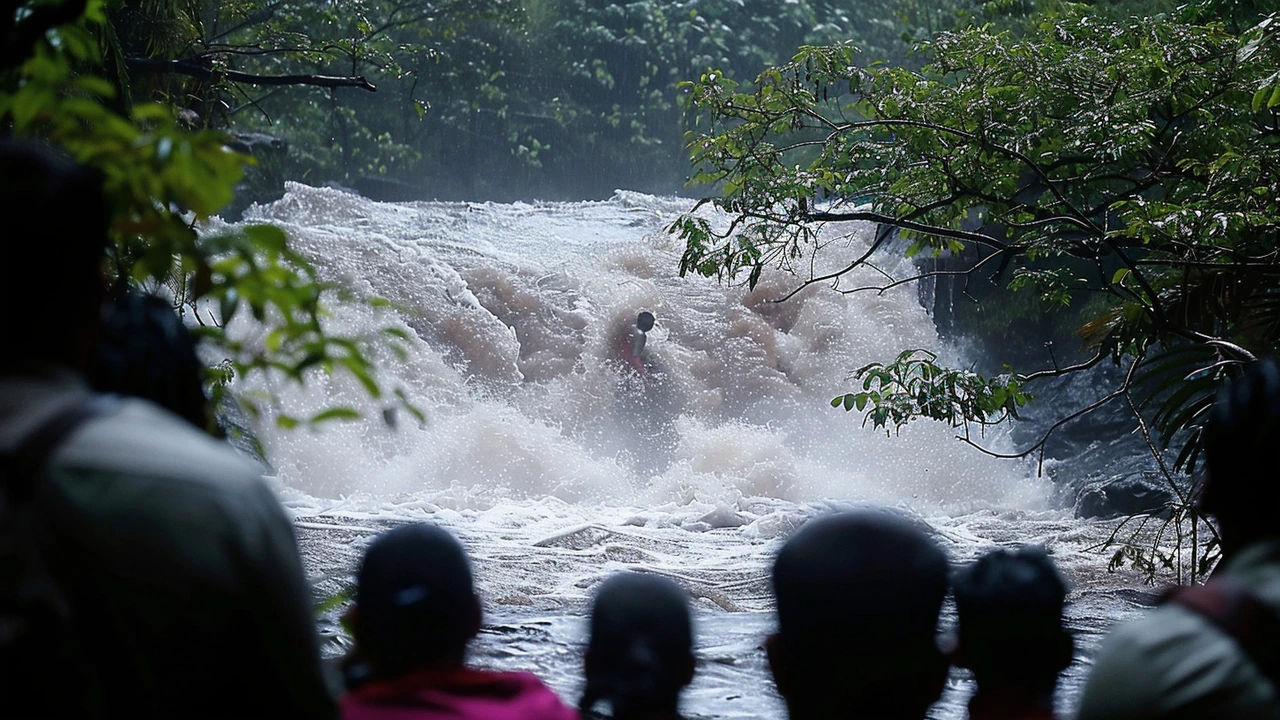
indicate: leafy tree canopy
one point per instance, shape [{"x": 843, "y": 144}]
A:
[
  {"x": 1129, "y": 168},
  {"x": 162, "y": 179}
]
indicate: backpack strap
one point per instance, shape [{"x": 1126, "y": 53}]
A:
[
  {"x": 1237, "y": 611},
  {"x": 23, "y": 465}
]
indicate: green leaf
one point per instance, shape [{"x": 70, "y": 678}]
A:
[{"x": 335, "y": 413}]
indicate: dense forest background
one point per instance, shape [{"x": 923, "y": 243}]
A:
[
  {"x": 1102, "y": 175},
  {"x": 501, "y": 99}
]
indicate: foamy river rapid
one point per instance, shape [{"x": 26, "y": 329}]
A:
[{"x": 556, "y": 468}]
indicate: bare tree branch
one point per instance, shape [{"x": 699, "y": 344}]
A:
[{"x": 191, "y": 69}]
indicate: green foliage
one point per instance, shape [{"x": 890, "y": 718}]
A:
[
  {"x": 1131, "y": 162},
  {"x": 915, "y": 386},
  {"x": 161, "y": 181},
  {"x": 489, "y": 99}
]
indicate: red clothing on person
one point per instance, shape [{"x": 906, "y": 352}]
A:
[
  {"x": 631, "y": 349},
  {"x": 456, "y": 694}
]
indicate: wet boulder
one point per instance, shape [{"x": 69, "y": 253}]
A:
[
  {"x": 1121, "y": 496},
  {"x": 263, "y": 180}
]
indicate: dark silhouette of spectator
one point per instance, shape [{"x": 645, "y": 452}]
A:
[
  {"x": 1010, "y": 633},
  {"x": 181, "y": 580},
  {"x": 1210, "y": 651},
  {"x": 414, "y": 614},
  {"x": 858, "y": 600},
  {"x": 145, "y": 351},
  {"x": 640, "y": 655}
]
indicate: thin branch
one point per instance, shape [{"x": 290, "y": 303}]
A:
[
  {"x": 1040, "y": 444},
  {"x": 256, "y": 19},
  {"x": 883, "y": 219},
  {"x": 186, "y": 67}
]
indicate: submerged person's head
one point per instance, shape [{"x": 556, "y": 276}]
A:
[
  {"x": 55, "y": 236},
  {"x": 415, "y": 603},
  {"x": 145, "y": 351},
  {"x": 1241, "y": 435},
  {"x": 640, "y": 655},
  {"x": 1009, "y": 612},
  {"x": 645, "y": 320},
  {"x": 858, "y": 597}
]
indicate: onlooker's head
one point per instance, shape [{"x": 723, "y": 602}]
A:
[
  {"x": 1009, "y": 612},
  {"x": 645, "y": 320},
  {"x": 640, "y": 655},
  {"x": 1242, "y": 434},
  {"x": 858, "y": 598},
  {"x": 415, "y": 604},
  {"x": 145, "y": 351},
  {"x": 55, "y": 234}
]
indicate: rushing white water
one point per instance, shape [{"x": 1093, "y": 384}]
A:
[{"x": 557, "y": 468}]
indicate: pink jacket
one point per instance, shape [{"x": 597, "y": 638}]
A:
[{"x": 458, "y": 694}]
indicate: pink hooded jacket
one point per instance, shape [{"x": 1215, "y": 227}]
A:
[{"x": 457, "y": 694}]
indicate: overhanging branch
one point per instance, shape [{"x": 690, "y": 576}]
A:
[
  {"x": 196, "y": 70},
  {"x": 883, "y": 219}
]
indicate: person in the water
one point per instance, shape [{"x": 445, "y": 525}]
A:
[{"x": 633, "y": 343}]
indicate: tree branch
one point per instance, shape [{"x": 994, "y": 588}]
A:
[
  {"x": 977, "y": 238},
  {"x": 191, "y": 69}
]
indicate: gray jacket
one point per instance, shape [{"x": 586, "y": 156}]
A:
[
  {"x": 179, "y": 560},
  {"x": 1174, "y": 663}
]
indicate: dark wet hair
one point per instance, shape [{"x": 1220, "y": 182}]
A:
[
  {"x": 645, "y": 320},
  {"x": 1243, "y": 431},
  {"x": 858, "y": 596},
  {"x": 145, "y": 351},
  {"x": 1009, "y": 607},
  {"x": 640, "y": 655},
  {"x": 415, "y": 599},
  {"x": 53, "y": 245}
]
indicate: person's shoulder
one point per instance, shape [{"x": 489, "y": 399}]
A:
[
  {"x": 534, "y": 698},
  {"x": 142, "y": 440},
  {"x": 1167, "y": 661}
]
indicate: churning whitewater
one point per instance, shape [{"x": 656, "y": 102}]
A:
[{"x": 557, "y": 467}]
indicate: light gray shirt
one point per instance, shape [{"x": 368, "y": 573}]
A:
[
  {"x": 1174, "y": 663},
  {"x": 197, "y": 603}
]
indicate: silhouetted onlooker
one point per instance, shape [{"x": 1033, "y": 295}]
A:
[
  {"x": 415, "y": 612},
  {"x": 858, "y": 600},
  {"x": 178, "y": 566},
  {"x": 640, "y": 655},
  {"x": 1010, "y": 634},
  {"x": 145, "y": 351},
  {"x": 1213, "y": 651}
]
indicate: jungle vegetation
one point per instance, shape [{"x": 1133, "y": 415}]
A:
[
  {"x": 1123, "y": 172},
  {"x": 1113, "y": 165}
]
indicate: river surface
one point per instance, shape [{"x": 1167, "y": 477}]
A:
[{"x": 556, "y": 467}]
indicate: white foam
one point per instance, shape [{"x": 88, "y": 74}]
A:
[{"x": 515, "y": 312}]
